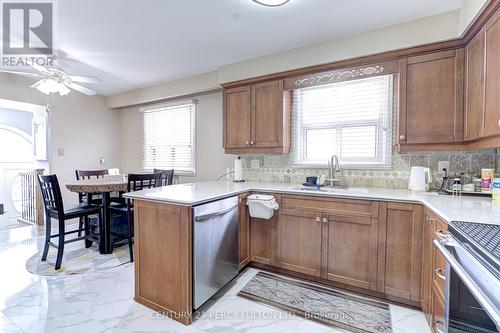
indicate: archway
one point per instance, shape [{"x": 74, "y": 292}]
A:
[{"x": 16, "y": 155}]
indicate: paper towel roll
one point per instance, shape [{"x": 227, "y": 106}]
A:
[{"x": 238, "y": 169}]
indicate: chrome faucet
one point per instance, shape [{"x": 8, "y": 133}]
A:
[{"x": 334, "y": 169}]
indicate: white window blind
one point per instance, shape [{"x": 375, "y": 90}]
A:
[
  {"x": 351, "y": 119},
  {"x": 169, "y": 137}
]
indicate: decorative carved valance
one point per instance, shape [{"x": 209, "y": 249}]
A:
[{"x": 345, "y": 74}]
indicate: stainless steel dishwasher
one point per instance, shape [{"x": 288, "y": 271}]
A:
[{"x": 215, "y": 248}]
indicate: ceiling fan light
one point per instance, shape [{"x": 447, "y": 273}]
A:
[
  {"x": 63, "y": 90},
  {"x": 271, "y": 3},
  {"x": 48, "y": 86}
]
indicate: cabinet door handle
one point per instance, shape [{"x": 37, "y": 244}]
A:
[
  {"x": 434, "y": 325},
  {"x": 251, "y": 142},
  {"x": 440, "y": 234},
  {"x": 325, "y": 220},
  {"x": 318, "y": 219},
  {"x": 429, "y": 219},
  {"x": 402, "y": 137},
  {"x": 439, "y": 273},
  {"x": 247, "y": 142}
]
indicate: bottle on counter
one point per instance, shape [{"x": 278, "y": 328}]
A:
[
  {"x": 456, "y": 187},
  {"x": 487, "y": 176},
  {"x": 495, "y": 189}
]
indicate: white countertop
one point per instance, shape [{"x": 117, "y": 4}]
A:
[{"x": 450, "y": 208}]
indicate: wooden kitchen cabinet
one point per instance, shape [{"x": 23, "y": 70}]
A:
[
  {"x": 437, "y": 322},
  {"x": 257, "y": 119},
  {"x": 263, "y": 238},
  {"x": 474, "y": 88},
  {"x": 427, "y": 265},
  {"x": 352, "y": 243},
  {"x": 237, "y": 117},
  {"x": 403, "y": 250},
  {"x": 439, "y": 262},
  {"x": 163, "y": 258},
  {"x": 299, "y": 241},
  {"x": 491, "y": 124},
  {"x": 335, "y": 239},
  {"x": 431, "y": 98},
  {"x": 268, "y": 123},
  {"x": 243, "y": 232}
]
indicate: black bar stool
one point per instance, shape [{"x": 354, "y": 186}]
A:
[
  {"x": 89, "y": 198},
  {"x": 136, "y": 182},
  {"x": 167, "y": 176},
  {"x": 54, "y": 209}
]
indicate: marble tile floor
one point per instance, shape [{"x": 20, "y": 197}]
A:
[{"x": 103, "y": 301}]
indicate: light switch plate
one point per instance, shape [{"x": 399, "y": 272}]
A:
[
  {"x": 255, "y": 164},
  {"x": 443, "y": 165}
]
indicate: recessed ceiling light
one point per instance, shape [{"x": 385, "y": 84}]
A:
[{"x": 271, "y": 3}]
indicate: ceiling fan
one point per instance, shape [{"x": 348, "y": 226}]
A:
[{"x": 54, "y": 80}]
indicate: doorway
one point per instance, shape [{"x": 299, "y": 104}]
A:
[{"x": 17, "y": 156}]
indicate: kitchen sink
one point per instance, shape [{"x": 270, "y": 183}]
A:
[{"x": 321, "y": 189}]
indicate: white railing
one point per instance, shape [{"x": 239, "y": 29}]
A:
[{"x": 31, "y": 198}]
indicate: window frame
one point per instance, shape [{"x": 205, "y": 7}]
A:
[
  {"x": 158, "y": 108},
  {"x": 384, "y": 132}
]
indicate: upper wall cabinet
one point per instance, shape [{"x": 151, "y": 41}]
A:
[
  {"x": 474, "y": 88},
  {"x": 491, "y": 124},
  {"x": 431, "y": 98},
  {"x": 257, "y": 119}
]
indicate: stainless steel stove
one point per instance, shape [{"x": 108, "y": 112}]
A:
[{"x": 472, "y": 293}]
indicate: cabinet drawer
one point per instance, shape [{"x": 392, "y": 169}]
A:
[
  {"x": 437, "y": 324},
  {"x": 340, "y": 207},
  {"x": 438, "y": 272},
  {"x": 439, "y": 267},
  {"x": 441, "y": 229}
]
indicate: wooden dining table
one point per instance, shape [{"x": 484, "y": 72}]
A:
[{"x": 103, "y": 186}]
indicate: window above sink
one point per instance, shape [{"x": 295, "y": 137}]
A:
[{"x": 351, "y": 119}]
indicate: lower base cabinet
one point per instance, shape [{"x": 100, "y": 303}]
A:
[
  {"x": 351, "y": 250},
  {"x": 403, "y": 258},
  {"x": 371, "y": 245},
  {"x": 427, "y": 264},
  {"x": 332, "y": 239},
  {"x": 263, "y": 238},
  {"x": 243, "y": 232},
  {"x": 299, "y": 241},
  {"x": 437, "y": 323}
]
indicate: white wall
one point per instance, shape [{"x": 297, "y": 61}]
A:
[
  {"x": 82, "y": 125},
  {"x": 211, "y": 159},
  {"x": 469, "y": 11},
  {"x": 192, "y": 85},
  {"x": 422, "y": 31},
  {"x": 430, "y": 29}
]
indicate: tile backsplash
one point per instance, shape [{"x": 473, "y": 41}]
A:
[{"x": 277, "y": 168}]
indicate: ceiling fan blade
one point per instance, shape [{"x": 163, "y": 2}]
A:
[
  {"x": 84, "y": 79},
  {"x": 36, "y": 84},
  {"x": 32, "y": 75},
  {"x": 80, "y": 88},
  {"x": 41, "y": 69}
]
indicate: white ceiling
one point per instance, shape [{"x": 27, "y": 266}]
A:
[{"x": 130, "y": 43}]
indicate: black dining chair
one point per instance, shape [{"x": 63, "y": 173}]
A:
[
  {"x": 89, "y": 198},
  {"x": 167, "y": 176},
  {"x": 54, "y": 209},
  {"x": 88, "y": 174},
  {"x": 136, "y": 182}
]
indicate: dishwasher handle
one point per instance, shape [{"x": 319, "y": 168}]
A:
[{"x": 208, "y": 216}]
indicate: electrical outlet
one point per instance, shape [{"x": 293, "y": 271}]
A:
[
  {"x": 60, "y": 151},
  {"x": 255, "y": 164},
  {"x": 444, "y": 165}
]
